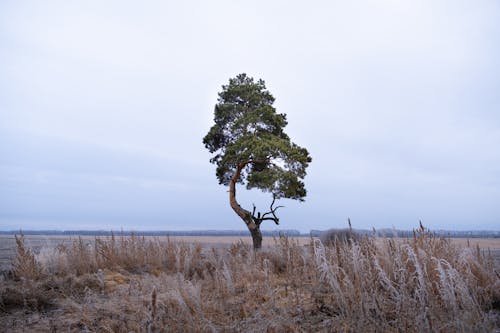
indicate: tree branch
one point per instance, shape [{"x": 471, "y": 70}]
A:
[{"x": 263, "y": 217}]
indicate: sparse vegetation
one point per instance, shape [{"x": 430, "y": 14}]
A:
[
  {"x": 330, "y": 237},
  {"x": 134, "y": 284}
]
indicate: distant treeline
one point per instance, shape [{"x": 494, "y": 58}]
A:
[
  {"x": 219, "y": 233},
  {"x": 244, "y": 233},
  {"x": 410, "y": 233}
]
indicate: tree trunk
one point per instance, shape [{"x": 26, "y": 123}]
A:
[
  {"x": 244, "y": 214},
  {"x": 256, "y": 237}
]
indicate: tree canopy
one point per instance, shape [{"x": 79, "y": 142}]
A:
[{"x": 248, "y": 139}]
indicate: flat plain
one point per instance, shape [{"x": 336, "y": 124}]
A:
[
  {"x": 47, "y": 242},
  {"x": 219, "y": 284}
]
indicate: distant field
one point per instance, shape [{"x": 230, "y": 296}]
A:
[
  {"x": 37, "y": 242},
  {"x": 150, "y": 284}
]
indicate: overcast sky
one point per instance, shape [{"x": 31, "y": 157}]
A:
[{"x": 104, "y": 104}]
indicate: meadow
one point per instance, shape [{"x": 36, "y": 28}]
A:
[{"x": 160, "y": 284}]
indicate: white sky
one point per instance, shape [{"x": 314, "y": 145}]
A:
[{"x": 103, "y": 107}]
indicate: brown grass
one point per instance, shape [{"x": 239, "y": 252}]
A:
[{"x": 134, "y": 284}]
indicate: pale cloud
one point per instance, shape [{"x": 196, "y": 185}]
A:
[{"x": 104, "y": 105}]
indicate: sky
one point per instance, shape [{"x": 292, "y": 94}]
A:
[{"x": 103, "y": 107}]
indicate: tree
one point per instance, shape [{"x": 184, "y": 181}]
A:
[{"x": 250, "y": 148}]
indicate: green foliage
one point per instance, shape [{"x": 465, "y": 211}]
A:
[{"x": 248, "y": 134}]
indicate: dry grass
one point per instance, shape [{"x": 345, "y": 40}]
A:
[{"x": 134, "y": 284}]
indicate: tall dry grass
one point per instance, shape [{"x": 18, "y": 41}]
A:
[{"x": 130, "y": 284}]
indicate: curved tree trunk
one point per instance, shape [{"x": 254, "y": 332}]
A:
[{"x": 244, "y": 214}]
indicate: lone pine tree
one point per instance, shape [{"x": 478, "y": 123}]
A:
[{"x": 251, "y": 148}]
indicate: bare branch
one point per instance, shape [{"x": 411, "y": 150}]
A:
[{"x": 264, "y": 217}]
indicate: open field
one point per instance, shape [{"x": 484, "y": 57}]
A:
[
  {"x": 219, "y": 284},
  {"x": 37, "y": 242}
]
